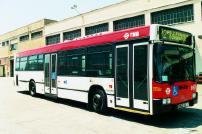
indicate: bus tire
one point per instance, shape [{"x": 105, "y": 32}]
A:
[
  {"x": 32, "y": 88},
  {"x": 99, "y": 101}
]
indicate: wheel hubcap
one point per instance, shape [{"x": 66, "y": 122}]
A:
[
  {"x": 32, "y": 89},
  {"x": 97, "y": 101}
]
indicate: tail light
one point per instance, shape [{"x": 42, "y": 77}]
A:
[{"x": 193, "y": 87}]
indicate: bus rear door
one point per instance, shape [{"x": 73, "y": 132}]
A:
[{"x": 50, "y": 67}]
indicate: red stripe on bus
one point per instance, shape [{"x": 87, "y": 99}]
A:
[{"x": 128, "y": 34}]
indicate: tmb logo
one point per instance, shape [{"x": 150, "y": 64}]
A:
[
  {"x": 126, "y": 36},
  {"x": 131, "y": 35}
]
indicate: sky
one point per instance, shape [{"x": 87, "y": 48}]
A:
[{"x": 18, "y": 13}]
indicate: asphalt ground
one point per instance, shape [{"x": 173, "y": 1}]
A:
[{"x": 22, "y": 114}]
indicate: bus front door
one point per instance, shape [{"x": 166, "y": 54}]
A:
[
  {"x": 131, "y": 76},
  {"x": 140, "y": 77},
  {"x": 50, "y": 67}
]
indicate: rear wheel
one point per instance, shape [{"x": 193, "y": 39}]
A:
[
  {"x": 99, "y": 101},
  {"x": 32, "y": 88}
]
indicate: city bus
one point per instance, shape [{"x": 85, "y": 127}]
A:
[{"x": 146, "y": 70}]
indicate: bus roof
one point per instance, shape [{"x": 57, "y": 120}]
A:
[{"x": 132, "y": 33}]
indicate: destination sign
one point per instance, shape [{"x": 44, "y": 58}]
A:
[{"x": 175, "y": 36}]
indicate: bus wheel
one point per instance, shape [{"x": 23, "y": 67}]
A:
[
  {"x": 32, "y": 88},
  {"x": 99, "y": 101}
]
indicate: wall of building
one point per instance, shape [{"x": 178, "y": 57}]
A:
[
  {"x": 4, "y": 51},
  {"x": 194, "y": 27},
  {"x": 8, "y": 51},
  {"x": 109, "y": 14},
  {"x": 127, "y": 9},
  {"x": 124, "y": 9}
]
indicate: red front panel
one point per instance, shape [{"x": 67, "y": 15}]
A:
[
  {"x": 178, "y": 92},
  {"x": 186, "y": 89}
]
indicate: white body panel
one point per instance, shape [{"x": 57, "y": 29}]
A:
[
  {"x": 122, "y": 102},
  {"x": 73, "y": 95},
  {"x": 68, "y": 87},
  {"x": 76, "y": 88},
  {"x": 26, "y": 76},
  {"x": 110, "y": 101},
  {"x": 140, "y": 104},
  {"x": 84, "y": 83}
]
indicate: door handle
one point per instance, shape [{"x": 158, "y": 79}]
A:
[
  {"x": 145, "y": 102},
  {"x": 118, "y": 98}
]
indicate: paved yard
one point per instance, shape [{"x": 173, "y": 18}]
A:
[{"x": 23, "y": 114}]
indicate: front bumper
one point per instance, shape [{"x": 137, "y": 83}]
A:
[{"x": 158, "y": 106}]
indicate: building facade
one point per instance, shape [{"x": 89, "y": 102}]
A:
[
  {"x": 21, "y": 39},
  {"x": 183, "y": 14}
]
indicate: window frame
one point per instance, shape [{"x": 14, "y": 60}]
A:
[
  {"x": 35, "y": 35},
  {"x": 104, "y": 27},
  {"x": 54, "y": 39},
  {"x": 176, "y": 15},
  {"x": 24, "y": 38},
  {"x": 70, "y": 35},
  {"x": 129, "y": 22}
]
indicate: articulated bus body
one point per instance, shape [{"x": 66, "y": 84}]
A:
[{"x": 146, "y": 70}]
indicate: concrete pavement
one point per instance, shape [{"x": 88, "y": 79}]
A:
[{"x": 23, "y": 114}]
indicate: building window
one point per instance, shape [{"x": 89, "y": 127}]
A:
[
  {"x": 36, "y": 34},
  {"x": 97, "y": 29},
  {"x": 13, "y": 47},
  {"x": 3, "y": 44},
  {"x": 7, "y": 42},
  {"x": 173, "y": 16},
  {"x": 129, "y": 22},
  {"x": 24, "y": 38},
  {"x": 72, "y": 35},
  {"x": 53, "y": 39}
]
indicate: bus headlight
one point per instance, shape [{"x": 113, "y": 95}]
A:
[
  {"x": 168, "y": 91},
  {"x": 166, "y": 101}
]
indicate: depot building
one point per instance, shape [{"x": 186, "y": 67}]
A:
[
  {"x": 24, "y": 38},
  {"x": 182, "y": 14}
]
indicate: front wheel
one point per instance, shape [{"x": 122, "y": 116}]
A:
[{"x": 99, "y": 102}]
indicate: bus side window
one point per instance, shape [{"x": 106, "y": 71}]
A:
[
  {"x": 32, "y": 63},
  {"x": 17, "y": 65},
  {"x": 72, "y": 62},
  {"x": 62, "y": 64},
  {"x": 23, "y": 63},
  {"x": 40, "y": 64},
  {"x": 99, "y": 61},
  {"x": 76, "y": 65}
]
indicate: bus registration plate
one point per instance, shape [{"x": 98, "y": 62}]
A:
[{"x": 183, "y": 105}]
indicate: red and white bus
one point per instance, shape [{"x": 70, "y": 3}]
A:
[{"x": 146, "y": 70}]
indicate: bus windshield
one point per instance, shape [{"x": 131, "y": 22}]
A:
[{"x": 173, "y": 63}]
